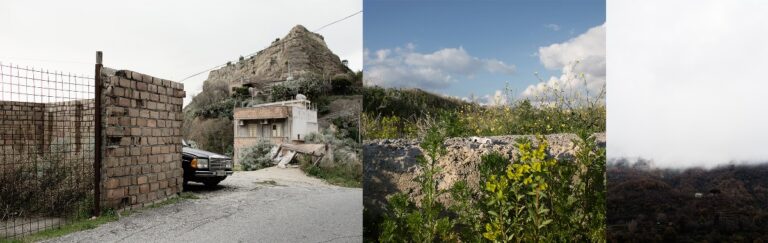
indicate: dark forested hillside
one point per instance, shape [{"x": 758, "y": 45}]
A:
[{"x": 724, "y": 204}]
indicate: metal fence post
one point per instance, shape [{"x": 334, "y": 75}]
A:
[{"x": 98, "y": 138}]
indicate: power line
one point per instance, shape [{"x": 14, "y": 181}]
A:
[
  {"x": 253, "y": 54},
  {"x": 350, "y": 16}
]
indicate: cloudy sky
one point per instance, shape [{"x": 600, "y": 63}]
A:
[
  {"x": 166, "y": 39},
  {"x": 686, "y": 83},
  {"x": 474, "y": 48}
]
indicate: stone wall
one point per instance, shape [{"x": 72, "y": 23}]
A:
[
  {"x": 390, "y": 165},
  {"x": 141, "y": 138}
]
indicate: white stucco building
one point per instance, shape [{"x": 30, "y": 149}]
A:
[{"x": 278, "y": 122}]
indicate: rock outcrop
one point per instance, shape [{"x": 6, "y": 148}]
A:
[
  {"x": 390, "y": 165},
  {"x": 299, "y": 54}
]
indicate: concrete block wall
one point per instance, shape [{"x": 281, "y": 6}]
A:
[
  {"x": 141, "y": 138},
  {"x": 31, "y": 131}
]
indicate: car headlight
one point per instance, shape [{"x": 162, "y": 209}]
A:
[
  {"x": 200, "y": 163},
  {"x": 228, "y": 164}
]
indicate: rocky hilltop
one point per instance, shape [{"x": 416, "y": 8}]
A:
[
  {"x": 390, "y": 165},
  {"x": 299, "y": 54}
]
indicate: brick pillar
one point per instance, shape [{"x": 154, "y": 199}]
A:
[{"x": 142, "y": 139}]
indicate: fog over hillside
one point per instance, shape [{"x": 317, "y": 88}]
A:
[{"x": 684, "y": 86}]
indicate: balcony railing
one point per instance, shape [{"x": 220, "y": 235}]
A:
[{"x": 273, "y": 140}]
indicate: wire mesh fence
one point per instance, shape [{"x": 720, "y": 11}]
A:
[{"x": 46, "y": 149}]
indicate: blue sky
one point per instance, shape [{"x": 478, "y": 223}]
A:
[{"x": 506, "y": 33}]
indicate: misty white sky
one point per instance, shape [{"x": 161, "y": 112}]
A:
[
  {"x": 166, "y": 39},
  {"x": 687, "y": 81}
]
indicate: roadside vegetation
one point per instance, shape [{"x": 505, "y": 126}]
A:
[
  {"x": 532, "y": 198},
  {"x": 53, "y": 183},
  {"x": 346, "y": 167}
]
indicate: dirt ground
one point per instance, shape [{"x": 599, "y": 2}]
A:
[{"x": 268, "y": 205}]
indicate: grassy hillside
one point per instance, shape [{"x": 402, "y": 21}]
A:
[
  {"x": 647, "y": 205},
  {"x": 406, "y": 113},
  {"x": 407, "y": 103}
]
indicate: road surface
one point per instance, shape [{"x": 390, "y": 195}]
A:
[{"x": 269, "y": 205}]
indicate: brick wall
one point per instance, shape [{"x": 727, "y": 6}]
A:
[
  {"x": 31, "y": 131},
  {"x": 141, "y": 138},
  {"x": 21, "y": 126}
]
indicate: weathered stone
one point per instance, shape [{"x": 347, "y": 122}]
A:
[{"x": 307, "y": 52}]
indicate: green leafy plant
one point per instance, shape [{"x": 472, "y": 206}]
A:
[
  {"x": 534, "y": 198},
  {"x": 517, "y": 197},
  {"x": 408, "y": 222}
]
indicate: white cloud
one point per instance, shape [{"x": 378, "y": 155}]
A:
[
  {"x": 686, "y": 85},
  {"x": 553, "y": 27},
  {"x": 499, "y": 97},
  {"x": 581, "y": 61},
  {"x": 405, "y": 67}
]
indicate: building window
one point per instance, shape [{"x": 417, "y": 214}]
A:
[
  {"x": 277, "y": 130},
  {"x": 253, "y": 130}
]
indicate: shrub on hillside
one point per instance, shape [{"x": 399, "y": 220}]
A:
[
  {"x": 341, "y": 84},
  {"x": 216, "y": 102},
  {"x": 311, "y": 86}
]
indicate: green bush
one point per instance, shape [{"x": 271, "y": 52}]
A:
[
  {"x": 281, "y": 92},
  {"x": 311, "y": 87},
  {"x": 257, "y": 156},
  {"x": 533, "y": 199},
  {"x": 341, "y": 84}
]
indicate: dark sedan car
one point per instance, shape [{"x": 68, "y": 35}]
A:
[{"x": 203, "y": 166}]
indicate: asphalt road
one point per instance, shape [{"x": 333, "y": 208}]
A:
[{"x": 269, "y": 205}]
